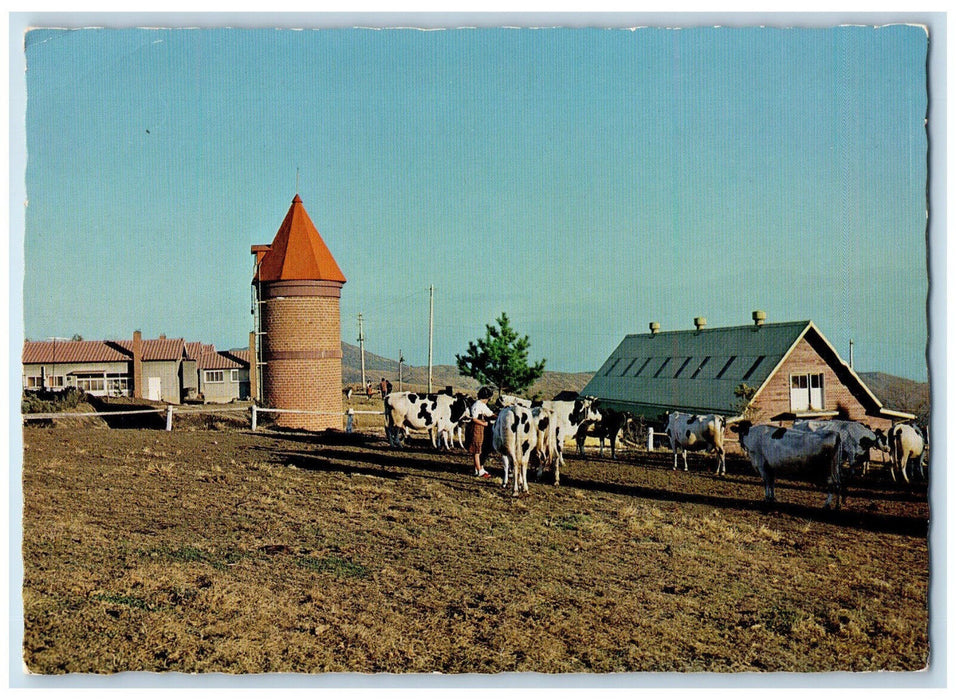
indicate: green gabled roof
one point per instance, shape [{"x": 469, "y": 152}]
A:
[{"x": 695, "y": 371}]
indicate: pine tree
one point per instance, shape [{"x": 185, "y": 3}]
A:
[{"x": 500, "y": 359}]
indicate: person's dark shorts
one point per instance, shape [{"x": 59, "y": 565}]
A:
[{"x": 476, "y": 438}]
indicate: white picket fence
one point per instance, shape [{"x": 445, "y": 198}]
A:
[{"x": 169, "y": 410}]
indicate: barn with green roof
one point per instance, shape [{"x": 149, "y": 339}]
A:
[{"x": 768, "y": 371}]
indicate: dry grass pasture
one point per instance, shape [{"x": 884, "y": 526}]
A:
[{"x": 230, "y": 551}]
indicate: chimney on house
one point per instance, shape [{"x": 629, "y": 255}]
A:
[
  {"x": 137, "y": 365},
  {"x": 654, "y": 326},
  {"x": 759, "y": 317},
  {"x": 700, "y": 322},
  {"x": 162, "y": 336}
]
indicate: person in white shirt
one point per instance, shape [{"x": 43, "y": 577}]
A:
[{"x": 480, "y": 416}]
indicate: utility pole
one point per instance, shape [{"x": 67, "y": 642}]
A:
[
  {"x": 361, "y": 340},
  {"x": 431, "y": 325},
  {"x": 401, "y": 359}
]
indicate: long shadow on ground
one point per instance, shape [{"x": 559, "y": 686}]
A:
[
  {"x": 392, "y": 464},
  {"x": 873, "y": 522}
]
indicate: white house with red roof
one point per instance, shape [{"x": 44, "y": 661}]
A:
[{"x": 161, "y": 369}]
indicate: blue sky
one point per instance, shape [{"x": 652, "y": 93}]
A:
[{"x": 585, "y": 181}]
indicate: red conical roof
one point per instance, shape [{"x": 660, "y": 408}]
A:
[{"x": 298, "y": 251}]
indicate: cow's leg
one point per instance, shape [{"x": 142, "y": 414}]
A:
[
  {"x": 903, "y": 464},
  {"x": 613, "y": 440},
  {"x": 674, "y": 468},
  {"x": 766, "y": 472},
  {"x": 557, "y": 466},
  {"x": 684, "y": 455},
  {"x": 505, "y": 463}
]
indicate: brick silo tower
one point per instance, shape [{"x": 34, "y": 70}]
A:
[{"x": 297, "y": 286}]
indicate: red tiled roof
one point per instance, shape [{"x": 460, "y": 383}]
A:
[
  {"x": 242, "y": 355},
  {"x": 156, "y": 350},
  {"x": 193, "y": 350},
  {"x": 49, "y": 351},
  {"x": 298, "y": 251},
  {"x": 217, "y": 360}
]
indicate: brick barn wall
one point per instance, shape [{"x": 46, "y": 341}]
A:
[
  {"x": 775, "y": 397},
  {"x": 303, "y": 325}
]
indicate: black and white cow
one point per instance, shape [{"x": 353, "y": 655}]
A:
[
  {"x": 546, "y": 442},
  {"x": 906, "y": 441},
  {"x": 569, "y": 417},
  {"x": 608, "y": 428},
  {"x": 856, "y": 439},
  {"x": 438, "y": 414},
  {"x": 696, "y": 433},
  {"x": 772, "y": 448},
  {"x": 507, "y": 400},
  {"x": 514, "y": 437}
]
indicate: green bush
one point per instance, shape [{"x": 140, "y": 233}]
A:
[{"x": 45, "y": 401}]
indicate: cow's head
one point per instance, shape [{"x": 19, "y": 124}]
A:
[
  {"x": 741, "y": 428},
  {"x": 879, "y": 441},
  {"x": 584, "y": 410},
  {"x": 459, "y": 407}
]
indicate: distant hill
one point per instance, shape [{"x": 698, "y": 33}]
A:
[
  {"x": 416, "y": 378},
  {"x": 900, "y": 393},
  {"x": 894, "y": 392}
]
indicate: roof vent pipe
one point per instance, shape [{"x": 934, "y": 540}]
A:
[
  {"x": 654, "y": 326},
  {"x": 700, "y": 322},
  {"x": 759, "y": 317}
]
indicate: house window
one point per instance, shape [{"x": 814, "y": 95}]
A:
[
  {"x": 55, "y": 381},
  {"x": 91, "y": 382},
  {"x": 33, "y": 382},
  {"x": 214, "y": 376},
  {"x": 117, "y": 384},
  {"x": 234, "y": 375},
  {"x": 806, "y": 392}
]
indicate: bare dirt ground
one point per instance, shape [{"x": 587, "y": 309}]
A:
[{"x": 239, "y": 552}]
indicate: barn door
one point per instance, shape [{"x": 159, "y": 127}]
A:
[{"x": 155, "y": 389}]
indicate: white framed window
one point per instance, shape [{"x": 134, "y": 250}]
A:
[
  {"x": 90, "y": 382},
  {"x": 213, "y": 376},
  {"x": 56, "y": 381},
  {"x": 117, "y": 384},
  {"x": 33, "y": 382},
  {"x": 233, "y": 375},
  {"x": 806, "y": 391}
]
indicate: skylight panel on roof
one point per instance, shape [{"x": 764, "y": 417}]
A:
[
  {"x": 658, "y": 372},
  {"x": 726, "y": 367},
  {"x": 681, "y": 368},
  {"x": 629, "y": 365},
  {"x": 613, "y": 365},
  {"x": 753, "y": 367},
  {"x": 641, "y": 369},
  {"x": 700, "y": 367}
]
